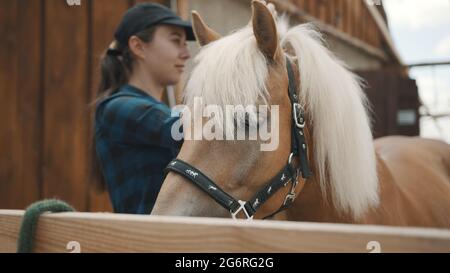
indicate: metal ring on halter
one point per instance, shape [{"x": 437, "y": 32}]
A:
[
  {"x": 290, "y": 158},
  {"x": 298, "y": 110},
  {"x": 239, "y": 209},
  {"x": 297, "y": 170}
]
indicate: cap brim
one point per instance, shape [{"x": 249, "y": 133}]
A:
[{"x": 186, "y": 25}]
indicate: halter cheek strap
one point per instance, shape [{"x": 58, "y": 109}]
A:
[{"x": 298, "y": 141}]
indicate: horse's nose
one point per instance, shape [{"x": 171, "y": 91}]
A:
[
  {"x": 167, "y": 196},
  {"x": 179, "y": 197}
]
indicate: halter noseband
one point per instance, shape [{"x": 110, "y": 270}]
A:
[{"x": 288, "y": 173}]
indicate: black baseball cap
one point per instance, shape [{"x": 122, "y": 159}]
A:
[{"x": 145, "y": 15}]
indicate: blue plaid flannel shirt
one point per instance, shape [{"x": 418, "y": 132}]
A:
[{"x": 134, "y": 145}]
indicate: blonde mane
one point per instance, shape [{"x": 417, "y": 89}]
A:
[
  {"x": 229, "y": 71},
  {"x": 232, "y": 71},
  {"x": 343, "y": 143}
]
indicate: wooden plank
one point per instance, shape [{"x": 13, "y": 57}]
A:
[
  {"x": 369, "y": 31},
  {"x": 307, "y": 6},
  {"x": 384, "y": 31},
  {"x": 301, "y": 4},
  {"x": 364, "y": 18},
  {"x": 20, "y": 104},
  {"x": 313, "y": 7},
  {"x": 344, "y": 15},
  {"x": 104, "y": 232},
  {"x": 341, "y": 11},
  {"x": 357, "y": 19},
  {"x": 28, "y": 144},
  {"x": 348, "y": 23},
  {"x": 66, "y": 117},
  {"x": 364, "y": 14},
  {"x": 377, "y": 37},
  {"x": 105, "y": 17},
  {"x": 331, "y": 12},
  {"x": 183, "y": 9},
  {"x": 322, "y": 10},
  {"x": 8, "y": 93}
]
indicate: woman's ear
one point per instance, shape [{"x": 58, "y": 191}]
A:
[
  {"x": 203, "y": 33},
  {"x": 265, "y": 29},
  {"x": 136, "y": 46}
]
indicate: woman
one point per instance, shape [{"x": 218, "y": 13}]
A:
[{"x": 132, "y": 138}]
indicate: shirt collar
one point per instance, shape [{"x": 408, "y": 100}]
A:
[{"x": 136, "y": 91}]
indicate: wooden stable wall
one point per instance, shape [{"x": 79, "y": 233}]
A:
[
  {"x": 354, "y": 22},
  {"x": 390, "y": 94},
  {"x": 349, "y": 16},
  {"x": 49, "y": 54},
  {"x": 105, "y": 232}
]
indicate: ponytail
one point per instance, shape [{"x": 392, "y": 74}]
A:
[{"x": 116, "y": 66}]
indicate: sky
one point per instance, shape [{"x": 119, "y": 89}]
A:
[{"x": 421, "y": 33}]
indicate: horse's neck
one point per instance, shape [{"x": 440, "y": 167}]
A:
[{"x": 312, "y": 207}]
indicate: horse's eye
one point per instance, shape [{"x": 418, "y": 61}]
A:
[
  {"x": 246, "y": 121},
  {"x": 250, "y": 120},
  {"x": 254, "y": 120},
  {"x": 242, "y": 121}
]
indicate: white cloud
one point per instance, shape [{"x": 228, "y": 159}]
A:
[
  {"x": 434, "y": 91},
  {"x": 417, "y": 14},
  {"x": 443, "y": 47},
  {"x": 437, "y": 129}
]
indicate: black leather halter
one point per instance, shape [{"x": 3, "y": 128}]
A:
[{"x": 288, "y": 173}]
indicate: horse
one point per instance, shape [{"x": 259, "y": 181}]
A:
[{"x": 345, "y": 175}]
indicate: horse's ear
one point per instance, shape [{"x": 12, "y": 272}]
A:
[
  {"x": 203, "y": 33},
  {"x": 265, "y": 29}
]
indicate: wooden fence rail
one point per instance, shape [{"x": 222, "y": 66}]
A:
[{"x": 106, "y": 232}]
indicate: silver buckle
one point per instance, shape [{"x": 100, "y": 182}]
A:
[
  {"x": 241, "y": 207},
  {"x": 300, "y": 124}
]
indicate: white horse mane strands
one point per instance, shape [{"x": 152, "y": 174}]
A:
[
  {"x": 343, "y": 142},
  {"x": 229, "y": 71},
  {"x": 232, "y": 71}
]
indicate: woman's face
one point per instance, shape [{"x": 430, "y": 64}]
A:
[{"x": 166, "y": 54}]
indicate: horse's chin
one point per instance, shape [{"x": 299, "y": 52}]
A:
[
  {"x": 180, "y": 198},
  {"x": 191, "y": 211}
]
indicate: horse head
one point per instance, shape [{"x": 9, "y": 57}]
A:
[{"x": 315, "y": 107}]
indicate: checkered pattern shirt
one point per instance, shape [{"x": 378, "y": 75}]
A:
[{"x": 134, "y": 145}]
